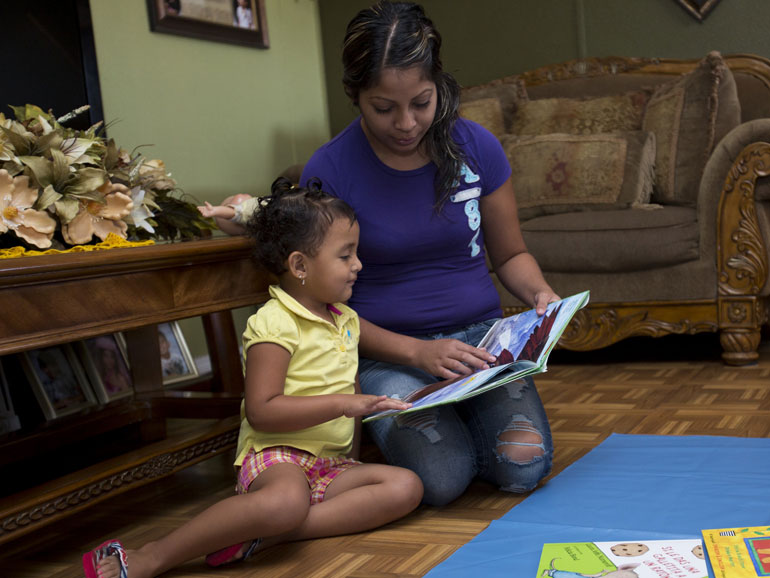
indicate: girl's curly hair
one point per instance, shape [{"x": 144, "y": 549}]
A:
[{"x": 293, "y": 219}]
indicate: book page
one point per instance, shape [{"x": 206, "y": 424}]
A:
[
  {"x": 521, "y": 343},
  {"x": 632, "y": 559},
  {"x": 528, "y": 335},
  {"x": 739, "y": 552}
]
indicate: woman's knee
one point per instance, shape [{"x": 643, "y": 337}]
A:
[
  {"x": 523, "y": 454},
  {"x": 434, "y": 444},
  {"x": 521, "y": 442}
]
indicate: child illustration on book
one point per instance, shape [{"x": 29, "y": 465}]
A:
[{"x": 624, "y": 571}]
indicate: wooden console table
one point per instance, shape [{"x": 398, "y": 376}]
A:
[{"x": 49, "y": 300}]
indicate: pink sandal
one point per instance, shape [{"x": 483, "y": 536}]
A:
[
  {"x": 227, "y": 555},
  {"x": 109, "y": 548}
]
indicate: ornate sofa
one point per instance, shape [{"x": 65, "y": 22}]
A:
[{"x": 644, "y": 181}]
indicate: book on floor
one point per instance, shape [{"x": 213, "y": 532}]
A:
[
  {"x": 738, "y": 552},
  {"x": 521, "y": 343},
  {"x": 624, "y": 559}
]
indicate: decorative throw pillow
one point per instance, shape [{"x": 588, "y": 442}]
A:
[
  {"x": 616, "y": 112},
  {"x": 488, "y": 112},
  {"x": 688, "y": 116},
  {"x": 493, "y": 104},
  {"x": 561, "y": 173}
]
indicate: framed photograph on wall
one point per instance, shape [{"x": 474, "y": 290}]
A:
[
  {"x": 176, "y": 361},
  {"x": 106, "y": 367},
  {"x": 233, "y": 21},
  {"x": 58, "y": 380}
]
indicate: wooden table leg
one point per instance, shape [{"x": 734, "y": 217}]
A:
[{"x": 226, "y": 366}]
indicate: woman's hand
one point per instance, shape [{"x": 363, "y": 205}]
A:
[
  {"x": 447, "y": 358},
  {"x": 542, "y": 299},
  {"x": 360, "y": 404}
]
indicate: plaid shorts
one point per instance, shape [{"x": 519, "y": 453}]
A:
[{"x": 318, "y": 471}]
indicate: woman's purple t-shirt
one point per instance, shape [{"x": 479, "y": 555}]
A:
[{"x": 423, "y": 272}]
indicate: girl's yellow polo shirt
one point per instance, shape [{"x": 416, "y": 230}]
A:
[{"x": 324, "y": 360}]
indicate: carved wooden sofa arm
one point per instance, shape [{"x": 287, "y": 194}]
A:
[
  {"x": 740, "y": 211},
  {"x": 742, "y": 260}
]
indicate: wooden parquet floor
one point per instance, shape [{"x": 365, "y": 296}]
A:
[{"x": 674, "y": 386}]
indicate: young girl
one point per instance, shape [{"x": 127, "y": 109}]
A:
[{"x": 297, "y": 476}]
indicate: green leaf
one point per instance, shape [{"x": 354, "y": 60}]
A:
[
  {"x": 48, "y": 197},
  {"x": 52, "y": 140},
  {"x": 42, "y": 169},
  {"x": 111, "y": 155},
  {"x": 61, "y": 170},
  {"x": 66, "y": 209},
  {"x": 21, "y": 143},
  {"x": 85, "y": 181}
]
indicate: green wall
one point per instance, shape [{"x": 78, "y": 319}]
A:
[
  {"x": 486, "y": 39},
  {"x": 224, "y": 118}
]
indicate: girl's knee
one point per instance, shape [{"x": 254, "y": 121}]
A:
[
  {"x": 406, "y": 489},
  {"x": 282, "y": 509}
]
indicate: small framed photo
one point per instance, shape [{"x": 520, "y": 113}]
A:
[
  {"x": 57, "y": 380},
  {"x": 106, "y": 367},
  {"x": 176, "y": 361}
]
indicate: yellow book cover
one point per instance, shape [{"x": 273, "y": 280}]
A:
[{"x": 738, "y": 552}]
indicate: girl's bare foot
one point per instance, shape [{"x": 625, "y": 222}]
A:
[{"x": 115, "y": 564}]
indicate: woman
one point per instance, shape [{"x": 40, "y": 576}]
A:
[{"x": 432, "y": 193}]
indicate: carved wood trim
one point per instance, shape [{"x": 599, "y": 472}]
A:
[
  {"x": 600, "y": 325},
  {"x": 741, "y": 252},
  {"x": 756, "y": 66},
  {"x": 30, "y": 515}
]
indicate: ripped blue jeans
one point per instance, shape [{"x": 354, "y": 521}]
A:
[{"x": 502, "y": 436}]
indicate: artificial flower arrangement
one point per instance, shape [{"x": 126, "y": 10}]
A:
[{"x": 61, "y": 187}]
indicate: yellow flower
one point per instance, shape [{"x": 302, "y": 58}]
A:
[
  {"x": 100, "y": 218},
  {"x": 17, "y": 214}
]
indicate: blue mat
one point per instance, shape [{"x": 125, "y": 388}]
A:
[{"x": 630, "y": 487}]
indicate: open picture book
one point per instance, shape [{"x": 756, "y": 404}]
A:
[
  {"x": 742, "y": 552},
  {"x": 625, "y": 559},
  {"x": 521, "y": 343}
]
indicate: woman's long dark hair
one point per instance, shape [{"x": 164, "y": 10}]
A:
[{"x": 400, "y": 35}]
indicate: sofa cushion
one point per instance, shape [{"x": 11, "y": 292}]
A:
[
  {"x": 617, "y": 112},
  {"x": 488, "y": 112},
  {"x": 493, "y": 104},
  {"x": 687, "y": 116},
  {"x": 613, "y": 241},
  {"x": 559, "y": 173}
]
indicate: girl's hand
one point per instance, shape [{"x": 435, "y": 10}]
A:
[
  {"x": 542, "y": 299},
  {"x": 360, "y": 404},
  {"x": 448, "y": 358}
]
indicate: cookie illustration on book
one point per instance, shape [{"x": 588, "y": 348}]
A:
[{"x": 630, "y": 549}]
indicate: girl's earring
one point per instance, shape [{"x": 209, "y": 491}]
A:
[{"x": 303, "y": 280}]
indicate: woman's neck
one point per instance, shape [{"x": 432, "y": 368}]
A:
[{"x": 409, "y": 162}]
